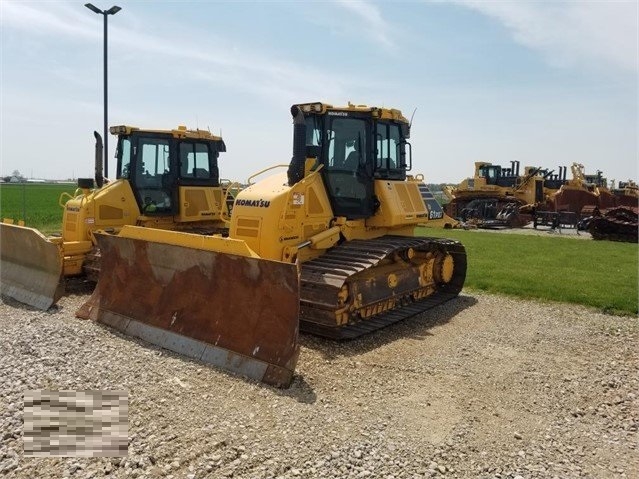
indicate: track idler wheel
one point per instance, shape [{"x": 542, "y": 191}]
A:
[{"x": 443, "y": 268}]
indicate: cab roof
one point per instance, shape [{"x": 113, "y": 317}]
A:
[
  {"x": 179, "y": 132},
  {"x": 381, "y": 113}
]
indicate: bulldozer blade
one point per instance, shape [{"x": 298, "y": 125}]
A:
[
  {"x": 31, "y": 267},
  {"x": 236, "y": 312}
]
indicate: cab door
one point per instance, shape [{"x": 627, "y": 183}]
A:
[
  {"x": 348, "y": 171},
  {"x": 199, "y": 191},
  {"x": 153, "y": 177}
]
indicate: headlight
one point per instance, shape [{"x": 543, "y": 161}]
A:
[{"x": 118, "y": 130}]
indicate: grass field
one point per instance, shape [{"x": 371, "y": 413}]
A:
[
  {"x": 601, "y": 274},
  {"x": 35, "y": 203}
]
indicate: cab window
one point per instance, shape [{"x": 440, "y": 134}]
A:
[
  {"x": 152, "y": 160},
  {"x": 348, "y": 173},
  {"x": 491, "y": 173},
  {"x": 124, "y": 158},
  {"x": 195, "y": 161},
  {"x": 389, "y": 159},
  {"x": 347, "y": 144},
  {"x": 313, "y": 131},
  {"x": 152, "y": 175}
]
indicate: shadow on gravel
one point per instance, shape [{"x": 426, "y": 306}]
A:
[
  {"x": 78, "y": 286},
  {"x": 300, "y": 390},
  {"x": 417, "y": 327},
  {"x": 72, "y": 287},
  {"x": 18, "y": 305}
]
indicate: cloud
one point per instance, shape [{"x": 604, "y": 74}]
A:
[
  {"x": 375, "y": 27},
  {"x": 591, "y": 34},
  {"x": 256, "y": 72},
  {"x": 58, "y": 18}
]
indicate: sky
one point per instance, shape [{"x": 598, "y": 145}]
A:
[{"x": 547, "y": 83}]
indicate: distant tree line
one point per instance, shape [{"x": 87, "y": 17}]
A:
[
  {"x": 436, "y": 186},
  {"x": 436, "y": 189},
  {"x": 15, "y": 177}
]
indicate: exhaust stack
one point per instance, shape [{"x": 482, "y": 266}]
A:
[
  {"x": 99, "y": 167},
  {"x": 296, "y": 167}
]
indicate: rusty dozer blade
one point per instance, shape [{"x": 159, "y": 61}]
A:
[
  {"x": 237, "y": 312},
  {"x": 30, "y": 266}
]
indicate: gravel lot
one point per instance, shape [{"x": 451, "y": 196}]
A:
[
  {"x": 484, "y": 386},
  {"x": 572, "y": 233}
]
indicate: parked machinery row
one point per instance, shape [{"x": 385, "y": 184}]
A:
[
  {"x": 328, "y": 246},
  {"x": 499, "y": 196}
]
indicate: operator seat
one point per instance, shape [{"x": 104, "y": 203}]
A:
[{"x": 353, "y": 159}]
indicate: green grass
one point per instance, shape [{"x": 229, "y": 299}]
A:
[
  {"x": 37, "y": 201},
  {"x": 601, "y": 274}
]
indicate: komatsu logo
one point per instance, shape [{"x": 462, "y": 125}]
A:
[
  {"x": 255, "y": 203},
  {"x": 337, "y": 113}
]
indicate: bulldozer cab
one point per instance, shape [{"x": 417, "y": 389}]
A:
[
  {"x": 156, "y": 163},
  {"x": 356, "y": 146},
  {"x": 500, "y": 176},
  {"x": 490, "y": 173}
]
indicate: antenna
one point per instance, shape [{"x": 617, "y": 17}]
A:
[
  {"x": 411, "y": 117},
  {"x": 197, "y": 123}
]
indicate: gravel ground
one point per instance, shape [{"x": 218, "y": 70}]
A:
[
  {"x": 540, "y": 231},
  {"x": 483, "y": 386}
]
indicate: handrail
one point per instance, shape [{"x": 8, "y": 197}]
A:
[
  {"x": 234, "y": 187},
  {"x": 250, "y": 178},
  {"x": 76, "y": 193}
]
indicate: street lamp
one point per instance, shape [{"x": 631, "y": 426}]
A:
[{"x": 105, "y": 13}]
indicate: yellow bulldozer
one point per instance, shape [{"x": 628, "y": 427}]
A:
[
  {"x": 327, "y": 246},
  {"x": 502, "y": 197},
  {"x": 626, "y": 193},
  {"x": 495, "y": 194},
  {"x": 166, "y": 179}
]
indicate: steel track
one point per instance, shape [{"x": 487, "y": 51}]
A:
[{"x": 323, "y": 277}]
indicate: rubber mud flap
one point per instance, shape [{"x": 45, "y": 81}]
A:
[
  {"x": 30, "y": 267},
  {"x": 235, "y": 312}
]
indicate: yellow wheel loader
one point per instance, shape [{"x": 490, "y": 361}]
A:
[
  {"x": 328, "y": 247},
  {"x": 166, "y": 179}
]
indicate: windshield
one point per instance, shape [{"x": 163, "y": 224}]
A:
[
  {"x": 347, "y": 143},
  {"x": 153, "y": 157},
  {"x": 123, "y": 154}
]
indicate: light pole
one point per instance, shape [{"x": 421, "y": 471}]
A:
[{"x": 105, "y": 13}]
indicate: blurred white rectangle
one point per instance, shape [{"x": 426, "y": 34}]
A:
[{"x": 76, "y": 423}]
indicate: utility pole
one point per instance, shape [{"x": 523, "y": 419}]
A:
[{"x": 105, "y": 13}]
